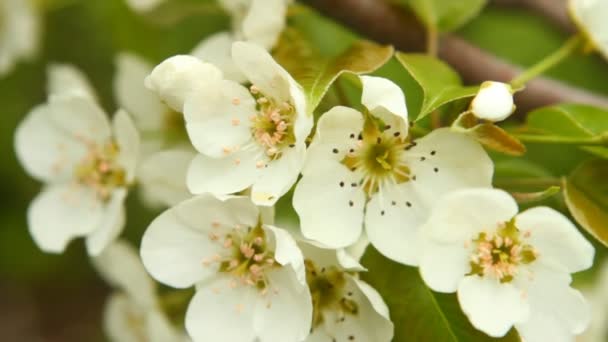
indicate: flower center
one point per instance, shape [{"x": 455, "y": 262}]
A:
[
  {"x": 100, "y": 170},
  {"x": 248, "y": 256},
  {"x": 272, "y": 126},
  {"x": 327, "y": 289},
  {"x": 378, "y": 156},
  {"x": 499, "y": 254}
]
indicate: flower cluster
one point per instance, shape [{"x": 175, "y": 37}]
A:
[{"x": 219, "y": 136}]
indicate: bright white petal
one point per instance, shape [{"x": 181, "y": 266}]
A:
[
  {"x": 218, "y": 312},
  {"x": 179, "y": 77},
  {"x": 162, "y": 177},
  {"x": 80, "y": 117},
  {"x": 590, "y": 17},
  {"x": 112, "y": 224},
  {"x": 176, "y": 244},
  {"x": 392, "y": 221},
  {"x": 492, "y": 307},
  {"x": 222, "y": 176},
  {"x": 216, "y": 49},
  {"x": 556, "y": 238},
  {"x": 460, "y": 215},
  {"x": 143, "y": 105},
  {"x": 65, "y": 79},
  {"x": 264, "y": 22},
  {"x": 127, "y": 139},
  {"x": 20, "y": 36},
  {"x": 444, "y": 161},
  {"x": 120, "y": 266},
  {"x": 123, "y": 320},
  {"x": 61, "y": 213},
  {"x": 443, "y": 266},
  {"x": 45, "y": 150},
  {"x": 218, "y": 119},
  {"x": 280, "y": 175},
  {"x": 284, "y": 314},
  {"x": 287, "y": 253},
  {"x": 493, "y": 102},
  {"x": 329, "y": 206},
  {"x": 385, "y": 100}
]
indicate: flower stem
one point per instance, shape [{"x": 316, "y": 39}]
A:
[
  {"x": 569, "y": 47},
  {"x": 548, "y": 139},
  {"x": 432, "y": 41}
]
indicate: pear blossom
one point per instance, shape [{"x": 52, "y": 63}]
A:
[
  {"x": 510, "y": 269},
  {"x": 598, "y": 298},
  {"x": 246, "y": 137},
  {"x": 257, "y": 21},
  {"x": 363, "y": 168},
  {"x": 345, "y": 308},
  {"x": 133, "y": 312},
  {"x": 493, "y": 102},
  {"x": 19, "y": 32},
  {"x": 590, "y": 17},
  {"x": 86, "y": 162},
  {"x": 249, "y": 276}
]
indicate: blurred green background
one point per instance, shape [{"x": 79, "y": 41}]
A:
[{"x": 58, "y": 297}]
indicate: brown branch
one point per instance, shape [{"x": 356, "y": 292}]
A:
[
  {"x": 554, "y": 10},
  {"x": 384, "y": 23}
]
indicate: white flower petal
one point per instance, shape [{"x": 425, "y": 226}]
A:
[
  {"x": 144, "y": 5},
  {"x": 143, "y": 105},
  {"x": 329, "y": 207},
  {"x": 111, "y": 225},
  {"x": 218, "y": 118},
  {"x": 222, "y": 176},
  {"x": 179, "y": 77},
  {"x": 444, "y": 161},
  {"x": 159, "y": 329},
  {"x": 162, "y": 177},
  {"x": 61, "y": 213},
  {"x": 279, "y": 176},
  {"x": 127, "y": 139},
  {"x": 217, "y": 50},
  {"x": 385, "y": 100},
  {"x": 120, "y": 266},
  {"x": 492, "y": 307},
  {"x": 218, "y": 312},
  {"x": 46, "y": 151},
  {"x": 80, "y": 117},
  {"x": 21, "y": 31},
  {"x": 371, "y": 324},
  {"x": 493, "y": 102},
  {"x": 461, "y": 215},
  {"x": 65, "y": 79},
  {"x": 590, "y": 17},
  {"x": 264, "y": 22},
  {"x": 286, "y": 252},
  {"x": 443, "y": 266},
  {"x": 556, "y": 238},
  {"x": 284, "y": 315},
  {"x": 557, "y": 311},
  {"x": 176, "y": 243},
  {"x": 119, "y": 313},
  {"x": 392, "y": 221}
]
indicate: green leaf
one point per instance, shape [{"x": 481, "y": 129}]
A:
[
  {"x": 440, "y": 84},
  {"x": 531, "y": 197},
  {"x": 488, "y": 134},
  {"x": 316, "y": 74},
  {"x": 418, "y": 313},
  {"x": 445, "y": 15},
  {"x": 586, "y": 194},
  {"x": 572, "y": 121}
]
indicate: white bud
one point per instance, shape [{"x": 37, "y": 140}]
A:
[{"x": 494, "y": 101}]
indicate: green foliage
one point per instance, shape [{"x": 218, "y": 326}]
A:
[
  {"x": 533, "y": 197},
  {"x": 488, "y": 134},
  {"x": 586, "y": 193},
  {"x": 445, "y": 15},
  {"x": 418, "y": 313},
  {"x": 440, "y": 84}
]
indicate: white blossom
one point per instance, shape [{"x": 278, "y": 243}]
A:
[
  {"x": 590, "y": 17},
  {"x": 247, "y": 137},
  {"x": 249, "y": 276},
  {"x": 86, "y": 162},
  {"x": 133, "y": 311},
  {"x": 493, "y": 102},
  {"x": 509, "y": 269},
  {"x": 19, "y": 32},
  {"x": 363, "y": 168},
  {"x": 345, "y": 308},
  {"x": 257, "y": 21}
]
